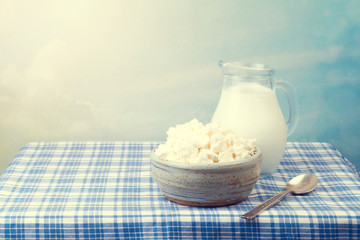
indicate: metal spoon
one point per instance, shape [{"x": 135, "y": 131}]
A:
[{"x": 300, "y": 184}]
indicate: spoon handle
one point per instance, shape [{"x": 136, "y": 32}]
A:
[{"x": 265, "y": 205}]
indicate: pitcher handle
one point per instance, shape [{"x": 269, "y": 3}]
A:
[{"x": 292, "y": 121}]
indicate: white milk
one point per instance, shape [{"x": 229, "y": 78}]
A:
[{"x": 252, "y": 111}]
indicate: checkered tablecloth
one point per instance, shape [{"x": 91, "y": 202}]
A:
[{"x": 104, "y": 190}]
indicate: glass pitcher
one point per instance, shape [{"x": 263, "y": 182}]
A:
[{"x": 248, "y": 105}]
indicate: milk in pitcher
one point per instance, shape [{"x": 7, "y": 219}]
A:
[{"x": 252, "y": 111}]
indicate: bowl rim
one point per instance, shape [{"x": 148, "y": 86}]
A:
[{"x": 204, "y": 166}]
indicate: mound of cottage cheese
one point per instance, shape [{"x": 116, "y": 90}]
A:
[{"x": 195, "y": 142}]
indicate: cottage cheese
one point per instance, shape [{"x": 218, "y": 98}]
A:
[{"x": 194, "y": 142}]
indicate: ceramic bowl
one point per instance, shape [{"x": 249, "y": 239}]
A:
[{"x": 206, "y": 184}]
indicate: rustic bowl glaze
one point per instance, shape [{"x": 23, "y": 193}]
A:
[{"x": 206, "y": 184}]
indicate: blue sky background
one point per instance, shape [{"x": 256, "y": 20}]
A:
[{"x": 128, "y": 70}]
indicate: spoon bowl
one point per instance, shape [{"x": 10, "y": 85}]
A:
[{"x": 303, "y": 183}]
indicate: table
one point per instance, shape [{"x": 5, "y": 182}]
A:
[{"x": 104, "y": 190}]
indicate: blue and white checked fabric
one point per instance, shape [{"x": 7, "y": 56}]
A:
[{"x": 104, "y": 190}]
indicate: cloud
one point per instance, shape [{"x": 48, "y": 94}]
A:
[
  {"x": 49, "y": 100},
  {"x": 339, "y": 77},
  {"x": 39, "y": 100},
  {"x": 300, "y": 59},
  {"x": 353, "y": 11},
  {"x": 47, "y": 66}
]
